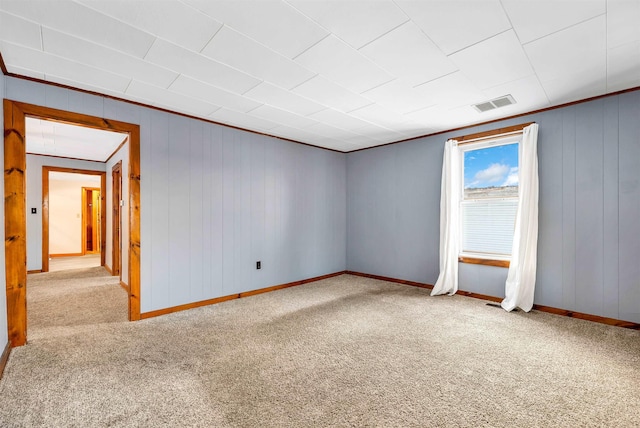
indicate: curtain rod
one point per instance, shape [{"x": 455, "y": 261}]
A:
[{"x": 490, "y": 135}]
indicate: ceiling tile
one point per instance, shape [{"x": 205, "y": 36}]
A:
[
  {"x": 527, "y": 92},
  {"x": 275, "y": 96},
  {"x": 398, "y": 96},
  {"x": 571, "y": 51},
  {"x": 195, "y": 89},
  {"x": 408, "y": 53},
  {"x": 567, "y": 88},
  {"x": 26, "y": 72},
  {"x": 440, "y": 119},
  {"x": 160, "y": 97},
  {"x": 274, "y": 23},
  {"x": 380, "y": 115},
  {"x": 339, "y": 120},
  {"x": 328, "y": 93},
  {"x": 329, "y": 131},
  {"x": 623, "y": 18},
  {"x": 344, "y": 65},
  {"x": 242, "y": 120},
  {"x": 623, "y": 65},
  {"x": 37, "y": 60},
  {"x": 166, "y": 19},
  {"x": 450, "y": 91},
  {"x": 355, "y": 22},
  {"x": 501, "y": 57},
  {"x": 292, "y": 133},
  {"x": 534, "y": 19},
  {"x": 238, "y": 51},
  {"x": 282, "y": 116},
  {"x": 19, "y": 31},
  {"x": 94, "y": 55},
  {"x": 199, "y": 67},
  {"x": 80, "y": 21},
  {"x": 455, "y": 25}
]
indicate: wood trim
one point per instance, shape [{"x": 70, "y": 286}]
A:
[
  {"x": 486, "y": 262},
  {"x": 108, "y": 269},
  {"x": 588, "y": 317},
  {"x": 15, "y": 222},
  {"x": 117, "y": 149},
  {"x": 15, "y": 206},
  {"x": 386, "y": 278},
  {"x": 44, "y": 265},
  {"x": 53, "y": 256},
  {"x": 541, "y": 308},
  {"x": 4, "y": 358},
  {"x": 134, "y": 224},
  {"x": 85, "y": 91},
  {"x": 542, "y": 110},
  {"x": 489, "y": 134},
  {"x": 213, "y": 301},
  {"x": 34, "y": 271},
  {"x": 3, "y": 66},
  {"x": 103, "y": 218},
  {"x": 45, "y": 209},
  {"x": 116, "y": 219},
  {"x": 84, "y": 220},
  {"x": 64, "y": 157},
  {"x": 124, "y": 286}
]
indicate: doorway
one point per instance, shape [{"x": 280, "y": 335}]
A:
[
  {"x": 15, "y": 114},
  {"x": 91, "y": 236},
  {"x": 99, "y": 217}
]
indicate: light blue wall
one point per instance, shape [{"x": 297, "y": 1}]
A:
[
  {"x": 214, "y": 200},
  {"x": 589, "y": 233},
  {"x": 4, "y": 335}
]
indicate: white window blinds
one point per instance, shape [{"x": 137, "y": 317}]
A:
[{"x": 488, "y": 226}]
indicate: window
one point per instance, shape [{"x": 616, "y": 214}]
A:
[{"x": 489, "y": 198}]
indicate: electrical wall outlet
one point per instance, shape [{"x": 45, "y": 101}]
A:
[{"x": 258, "y": 265}]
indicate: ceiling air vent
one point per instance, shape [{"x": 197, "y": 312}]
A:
[{"x": 507, "y": 100}]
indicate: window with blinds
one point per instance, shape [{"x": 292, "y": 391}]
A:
[{"x": 490, "y": 197}]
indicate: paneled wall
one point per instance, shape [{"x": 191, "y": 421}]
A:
[
  {"x": 214, "y": 200},
  {"x": 589, "y": 234},
  {"x": 34, "y": 200},
  {"x": 4, "y": 336}
]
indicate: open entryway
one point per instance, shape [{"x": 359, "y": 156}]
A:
[
  {"x": 74, "y": 216},
  {"x": 21, "y": 209}
]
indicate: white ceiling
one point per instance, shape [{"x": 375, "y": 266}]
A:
[
  {"x": 50, "y": 138},
  {"x": 341, "y": 74}
]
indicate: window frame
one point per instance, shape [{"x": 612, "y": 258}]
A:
[{"x": 497, "y": 137}]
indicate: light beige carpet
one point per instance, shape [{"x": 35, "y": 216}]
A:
[{"x": 346, "y": 351}]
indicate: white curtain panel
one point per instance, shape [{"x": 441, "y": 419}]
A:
[
  {"x": 521, "y": 278},
  {"x": 447, "y": 282}
]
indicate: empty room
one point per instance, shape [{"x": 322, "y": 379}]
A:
[{"x": 303, "y": 213}]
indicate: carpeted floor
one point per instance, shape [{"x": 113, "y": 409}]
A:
[{"x": 346, "y": 351}]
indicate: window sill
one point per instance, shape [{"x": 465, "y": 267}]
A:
[{"x": 486, "y": 262}]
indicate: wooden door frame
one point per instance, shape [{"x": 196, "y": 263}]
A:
[
  {"x": 45, "y": 209},
  {"x": 15, "y": 220},
  {"x": 84, "y": 220},
  {"x": 116, "y": 250}
]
